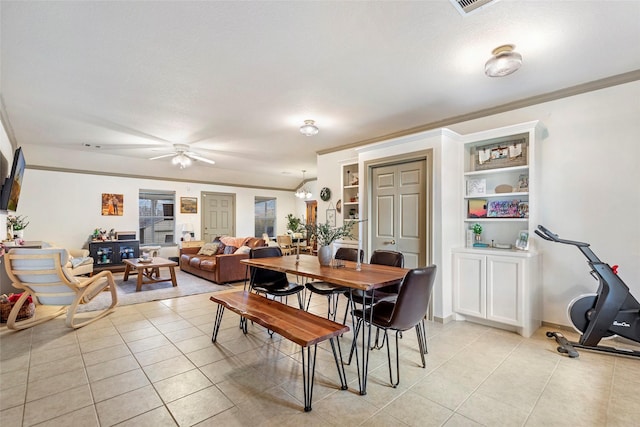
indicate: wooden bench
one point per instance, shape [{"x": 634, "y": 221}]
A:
[{"x": 301, "y": 327}]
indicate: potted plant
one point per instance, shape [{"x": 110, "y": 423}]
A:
[
  {"x": 477, "y": 230},
  {"x": 325, "y": 235},
  {"x": 294, "y": 224},
  {"x": 16, "y": 226}
]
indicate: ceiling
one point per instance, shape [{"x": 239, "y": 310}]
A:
[{"x": 107, "y": 85}]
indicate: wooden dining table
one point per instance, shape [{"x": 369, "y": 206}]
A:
[{"x": 364, "y": 277}]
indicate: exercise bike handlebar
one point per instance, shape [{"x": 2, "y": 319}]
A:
[{"x": 546, "y": 234}]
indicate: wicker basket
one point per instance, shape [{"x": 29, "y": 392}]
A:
[{"x": 26, "y": 312}]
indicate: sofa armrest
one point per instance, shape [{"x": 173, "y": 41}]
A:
[{"x": 229, "y": 268}]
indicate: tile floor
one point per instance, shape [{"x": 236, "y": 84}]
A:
[{"x": 153, "y": 364}]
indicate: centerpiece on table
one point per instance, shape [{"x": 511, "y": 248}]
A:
[{"x": 325, "y": 235}]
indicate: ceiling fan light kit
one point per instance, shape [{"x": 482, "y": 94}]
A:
[
  {"x": 183, "y": 157},
  {"x": 309, "y": 128},
  {"x": 504, "y": 61}
]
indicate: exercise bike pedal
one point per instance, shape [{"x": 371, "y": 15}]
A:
[{"x": 564, "y": 347}]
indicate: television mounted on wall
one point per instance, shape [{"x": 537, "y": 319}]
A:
[{"x": 10, "y": 193}]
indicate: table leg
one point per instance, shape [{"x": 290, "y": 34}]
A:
[
  {"x": 127, "y": 270},
  {"x": 338, "y": 358},
  {"x": 217, "y": 322},
  {"x": 173, "y": 276},
  {"x": 366, "y": 343},
  {"x": 139, "y": 284},
  {"x": 308, "y": 374}
]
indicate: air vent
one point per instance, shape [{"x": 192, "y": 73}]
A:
[{"x": 465, "y": 7}]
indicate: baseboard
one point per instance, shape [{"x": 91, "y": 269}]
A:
[{"x": 443, "y": 320}]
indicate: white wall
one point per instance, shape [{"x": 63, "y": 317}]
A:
[
  {"x": 66, "y": 207},
  {"x": 590, "y": 190}
]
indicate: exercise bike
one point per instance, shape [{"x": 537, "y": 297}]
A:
[{"x": 612, "y": 311}]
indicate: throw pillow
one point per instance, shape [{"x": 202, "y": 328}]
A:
[
  {"x": 229, "y": 249},
  {"x": 243, "y": 250},
  {"x": 209, "y": 249}
]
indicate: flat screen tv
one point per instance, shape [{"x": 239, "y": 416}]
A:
[{"x": 13, "y": 184}]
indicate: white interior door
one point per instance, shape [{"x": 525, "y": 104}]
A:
[
  {"x": 218, "y": 215},
  {"x": 398, "y": 210}
]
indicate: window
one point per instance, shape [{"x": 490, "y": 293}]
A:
[
  {"x": 156, "y": 216},
  {"x": 265, "y": 212}
]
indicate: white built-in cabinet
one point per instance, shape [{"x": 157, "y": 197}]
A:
[
  {"x": 494, "y": 284},
  {"x": 498, "y": 288}
]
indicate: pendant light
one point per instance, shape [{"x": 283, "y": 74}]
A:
[{"x": 302, "y": 192}]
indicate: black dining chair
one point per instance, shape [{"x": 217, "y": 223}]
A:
[
  {"x": 330, "y": 290},
  {"x": 406, "y": 312},
  {"x": 270, "y": 282},
  {"x": 386, "y": 293}
]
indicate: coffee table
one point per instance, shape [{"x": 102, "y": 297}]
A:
[{"x": 147, "y": 271}]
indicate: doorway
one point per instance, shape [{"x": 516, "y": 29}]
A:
[
  {"x": 400, "y": 212},
  {"x": 218, "y": 215}
]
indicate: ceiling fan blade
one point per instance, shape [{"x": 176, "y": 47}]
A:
[
  {"x": 163, "y": 156},
  {"x": 200, "y": 158}
]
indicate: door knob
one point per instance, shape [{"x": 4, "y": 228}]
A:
[{"x": 393, "y": 242}]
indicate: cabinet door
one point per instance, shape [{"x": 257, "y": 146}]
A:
[
  {"x": 469, "y": 284},
  {"x": 505, "y": 289}
]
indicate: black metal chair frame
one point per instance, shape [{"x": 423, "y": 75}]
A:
[{"x": 395, "y": 321}]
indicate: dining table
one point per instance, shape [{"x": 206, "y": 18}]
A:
[{"x": 353, "y": 275}]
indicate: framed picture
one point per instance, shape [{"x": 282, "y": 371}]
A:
[
  {"x": 189, "y": 205},
  {"x": 112, "y": 204},
  {"x": 476, "y": 187},
  {"x": 523, "y": 240},
  {"x": 331, "y": 217},
  {"x": 477, "y": 208}
]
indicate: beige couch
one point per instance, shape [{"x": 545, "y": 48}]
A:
[{"x": 220, "y": 267}]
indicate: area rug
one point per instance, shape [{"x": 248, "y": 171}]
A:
[{"x": 188, "y": 284}]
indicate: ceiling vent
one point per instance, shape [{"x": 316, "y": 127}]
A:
[{"x": 466, "y": 7}]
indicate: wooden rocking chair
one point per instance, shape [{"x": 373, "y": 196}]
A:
[{"x": 42, "y": 275}]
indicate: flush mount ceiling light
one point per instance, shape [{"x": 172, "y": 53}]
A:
[
  {"x": 309, "y": 128},
  {"x": 504, "y": 61},
  {"x": 302, "y": 192}
]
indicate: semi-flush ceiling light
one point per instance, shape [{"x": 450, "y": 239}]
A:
[
  {"x": 309, "y": 128},
  {"x": 302, "y": 192},
  {"x": 504, "y": 61}
]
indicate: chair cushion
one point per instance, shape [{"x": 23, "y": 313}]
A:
[{"x": 324, "y": 288}]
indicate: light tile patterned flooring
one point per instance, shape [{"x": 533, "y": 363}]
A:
[{"x": 153, "y": 364}]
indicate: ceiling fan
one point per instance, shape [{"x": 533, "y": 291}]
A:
[{"x": 183, "y": 157}]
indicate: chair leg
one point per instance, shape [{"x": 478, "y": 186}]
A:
[
  {"x": 71, "y": 312},
  {"x": 393, "y": 384},
  {"x": 422, "y": 344}
]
